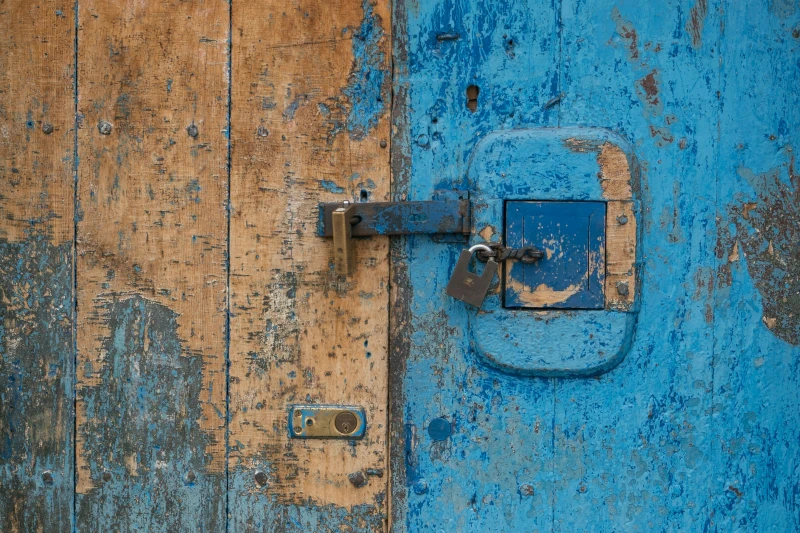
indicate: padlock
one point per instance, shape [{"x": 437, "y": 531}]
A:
[{"x": 468, "y": 286}]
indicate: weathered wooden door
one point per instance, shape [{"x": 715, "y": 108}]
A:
[{"x": 166, "y": 301}]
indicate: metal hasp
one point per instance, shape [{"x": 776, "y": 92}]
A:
[
  {"x": 399, "y": 218},
  {"x": 327, "y": 422},
  {"x": 343, "y": 220}
]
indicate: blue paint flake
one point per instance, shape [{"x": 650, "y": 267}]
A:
[
  {"x": 368, "y": 78},
  {"x": 331, "y": 187}
]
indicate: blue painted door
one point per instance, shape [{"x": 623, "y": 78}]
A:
[{"x": 674, "y": 403}]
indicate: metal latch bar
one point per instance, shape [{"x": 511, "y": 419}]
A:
[{"x": 399, "y": 218}]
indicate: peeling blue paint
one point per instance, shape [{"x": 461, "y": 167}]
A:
[
  {"x": 331, "y": 187},
  {"x": 141, "y": 438},
  {"x": 256, "y": 511},
  {"x": 36, "y": 382},
  {"x": 697, "y": 429},
  {"x": 368, "y": 78}
]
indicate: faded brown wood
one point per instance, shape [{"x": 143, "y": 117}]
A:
[
  {"x": 36, "y": 237},
  {"x": 300, "y": 333},
  {"x": 616, "y": 178},
  {"x": 36, "y": 71},
  {"x": 153, "y": 91},
  {"x": 620, "y": 254}
]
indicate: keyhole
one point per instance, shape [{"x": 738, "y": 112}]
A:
[
  {"x": 345, "y": 423},
  {"x": 472, "y": 97}
]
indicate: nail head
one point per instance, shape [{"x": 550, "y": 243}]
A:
[{"x": 358, "y": 479}]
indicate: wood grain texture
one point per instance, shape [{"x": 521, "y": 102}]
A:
[
  {"x": 152, "y": 239},
  {"x": 310, "y": 107},
  {"x": 756, "y": 308},
  {"x": 493, "y": 472},
  {"x": 627, "y": 67},
  {"x": 36, "y": 266}
]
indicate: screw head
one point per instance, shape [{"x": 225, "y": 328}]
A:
[
  {"x": 345, "y": 423},
  {"x": 106, "y": 476},
  {"x": 622, "y": 288},
  {"x": 190, "y": 477},
  {"x": 192, "y": 131},
  {"x": 104, "y": 127},
  {"x": 358, "y": 479},
  {"x": 622, "y": 220},
  {"x": 526, "y": 489},
  {"x": 262, "y": 131},
  {"x": 261, "y": 478},
  {"x": 420, "y": 487},
  {"x": 47, "y": 128},
  {"x": 47, "y": 477},
  {"x": 383, "y": 143}
]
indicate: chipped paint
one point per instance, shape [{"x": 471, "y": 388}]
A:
[
  {"x": 298, "y": 332},
  {"x": 36, "y": 383},
  {"x": 148, "y": 381},
  {"x": 696, "y": 429},
  {"x": 368, "y": 79},
  {"x": 697, "y": 18},
  {"x": 768, "y": 234},
  {"x": 541, "y": 295}
]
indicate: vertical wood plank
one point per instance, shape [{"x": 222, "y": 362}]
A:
[
  {"x": 491, "y": 467},
  {"x": 310, "y": 114},
  {"x": 152, "y": 187},
  {"x": 757, "y": 309},
  {"x": 633, "y": 445},
  {"x": 36, "y": 265}
]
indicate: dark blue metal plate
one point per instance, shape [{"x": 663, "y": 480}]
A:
[{"x": 572, "y": 273}]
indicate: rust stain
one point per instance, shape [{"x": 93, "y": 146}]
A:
[
  {"x": 767, "y": 235},
  {"x": 626, "y": 30},
  {"x": 647, "y": 89},
  {"x": 662, "y": 136},
  {"x": 694, "y": 26}
]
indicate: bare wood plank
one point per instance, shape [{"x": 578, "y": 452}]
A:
[
  {"x": 310, "y": 123},
  {"x": 36, "y": 254},
  {"x": 151, "y": 265}
]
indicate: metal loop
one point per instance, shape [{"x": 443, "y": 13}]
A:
[{"x": 479, "y": 247}]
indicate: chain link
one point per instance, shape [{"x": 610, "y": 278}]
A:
[{"x": 499, "y": 253}]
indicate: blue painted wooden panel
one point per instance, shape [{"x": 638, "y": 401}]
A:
[
  {"x": 633, "y": 448},
  {"x": 572, "y": 235},
  {"x": 697, "y": 429},
  {"x": 36, "y": 383},
  {"x": 494, "y": 472}
]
